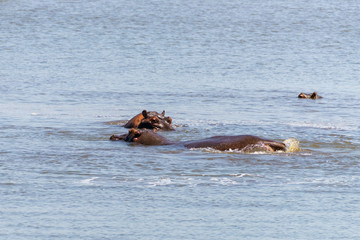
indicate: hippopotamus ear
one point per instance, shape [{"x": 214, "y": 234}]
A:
[
  {"x": 144, "y": 113},
  {"x": 314, "y": 95},
  {"x": 163, "y": 113},
  {"x": 169, "y": 120}
]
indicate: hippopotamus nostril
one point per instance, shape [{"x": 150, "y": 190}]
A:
[{"x": 127, "y": 138}]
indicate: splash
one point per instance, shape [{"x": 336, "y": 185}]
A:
[
  {"x": 292, "y": 145},
  {"x": 161, "y": 182},
  {"x": 88, "y": 181}
]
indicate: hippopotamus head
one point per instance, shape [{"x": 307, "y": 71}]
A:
[
  {"x": 153, "y": 120},
  {"x": 313, "y": 95},
  {"x": 146, "y": 137},
  {"x": 150, "y": 120}
]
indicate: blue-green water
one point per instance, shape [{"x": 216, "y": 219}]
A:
[{"x": 68, "y": 68}]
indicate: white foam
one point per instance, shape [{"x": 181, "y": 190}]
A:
[
  {"x": 258, "y": 152},
  {"x": 241, "y": 175},
  {"x": 88, "y": 181},
  {"x": 208, "y": 149},
  {"x": 236, "y": 151},
  {"x": 161, "y": 182},
  {"x": 224, "y": 181}
]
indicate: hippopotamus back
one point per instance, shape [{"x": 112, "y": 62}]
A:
[
  {"x": 240, "y": 142},
  {"x": 146, "y": 137},
  {"x": 245, "y": 143}
]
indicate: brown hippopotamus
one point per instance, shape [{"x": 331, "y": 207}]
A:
[
  {"x": 150, "y": 120},
  {"x": 143, "y": 136},
  {"x": 244, "y": 143},
  {"x": 313, "y": 95}
]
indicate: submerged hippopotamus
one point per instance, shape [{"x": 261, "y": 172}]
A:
[
  {"x": 313, "y": 95},
  {"x": 150, "y": 120},
  {"x": 244, "y": 143}
]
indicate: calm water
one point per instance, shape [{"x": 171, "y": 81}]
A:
[{"x": 216, "y": 67}]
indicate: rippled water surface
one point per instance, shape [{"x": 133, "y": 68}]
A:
[{"x": 73, "y": 71}]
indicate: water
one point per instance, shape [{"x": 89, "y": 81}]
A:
[{"x": 68, "y": 68}]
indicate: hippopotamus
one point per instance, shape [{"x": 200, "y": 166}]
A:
[
  {"x": 244, "y": 143},
  {"x": 150, "y": 120},
  {"x": 313, "y": 95}
]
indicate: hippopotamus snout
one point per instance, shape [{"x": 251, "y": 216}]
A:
[{"x": 132, "y": 136}]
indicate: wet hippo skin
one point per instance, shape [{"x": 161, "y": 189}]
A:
[
  {"x": 146, "y": 137},
  {"x": 150, "y": 120},
  {"x": 313, "y": 95},
  {"x": 222, "y": 143},
  {"x": 240, "y": 142}
]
